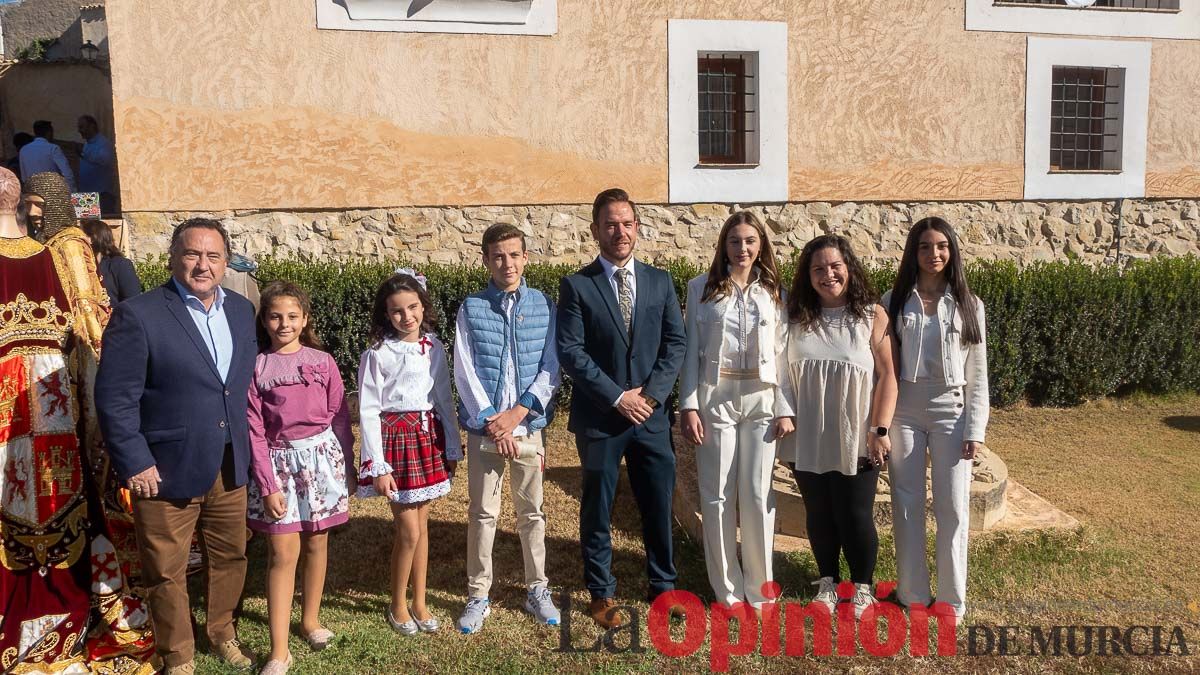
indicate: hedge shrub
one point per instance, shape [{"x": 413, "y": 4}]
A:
[{"x": 1059, "y": 333}]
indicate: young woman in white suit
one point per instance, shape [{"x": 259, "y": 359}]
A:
[
  {"x": 942, "y": 410},
  {"x": 731, "y": 407}
]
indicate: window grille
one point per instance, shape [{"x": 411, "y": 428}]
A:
[
  {"x": 1085, "y": 118},
  {"x": 727, "y": 107},
  {"x": 1138, "y": 5}
]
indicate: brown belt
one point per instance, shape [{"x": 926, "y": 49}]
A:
[{"x": 740, "y": 373}]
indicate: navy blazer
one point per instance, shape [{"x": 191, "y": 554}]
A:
[
  {"x": 160, "y": 397},
  {"x": 601, "y": 357}
]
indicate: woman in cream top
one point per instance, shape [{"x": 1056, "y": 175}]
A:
[{"x": 842, "y": 387}]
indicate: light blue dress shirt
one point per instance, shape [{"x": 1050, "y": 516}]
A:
[{"x": 212, "y": 324}]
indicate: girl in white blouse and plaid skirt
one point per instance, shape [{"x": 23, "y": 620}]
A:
[{"x": 410, "y": 446}]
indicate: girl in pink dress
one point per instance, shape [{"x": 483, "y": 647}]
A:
[{"x": 302, "y": 462}]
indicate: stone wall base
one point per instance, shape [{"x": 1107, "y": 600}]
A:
[{"x": 1021, "y": 231}]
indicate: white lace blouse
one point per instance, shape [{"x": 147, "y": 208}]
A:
[{"x": 403, "y": 376}]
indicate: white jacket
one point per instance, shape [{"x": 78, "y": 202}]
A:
[
  {"x": 964, "y": 364},
  {"x": 705, "y": 323}
]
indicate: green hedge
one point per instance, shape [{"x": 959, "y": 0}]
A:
[{"x": 1058, "y": 333}]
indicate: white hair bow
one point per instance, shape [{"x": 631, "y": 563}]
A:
[{"x": 408, "y": 271}]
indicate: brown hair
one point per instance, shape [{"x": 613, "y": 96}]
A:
[
  {"x": 501, "y": 232},
  {"x": 101, "y": 236},
  {"x": 381, "y": 325},
  {"x": 612, "y": 196},
  {"x": 718, "y": 285},
  {"x": 804, "y": 304},
  {"x": 285, "y": 289}
]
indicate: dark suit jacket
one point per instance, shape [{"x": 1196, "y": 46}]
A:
[
  {"x": 119, "y": 278},
  {"x": 160, "y": 398},
  {"x": 603, "y": 360}
]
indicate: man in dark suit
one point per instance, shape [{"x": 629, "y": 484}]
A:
[
  {"x": 171, "y": 395},
  {"x": 621, "y": 339}
]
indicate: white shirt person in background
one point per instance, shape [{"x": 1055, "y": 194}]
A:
[{"x": 43, "y": 155}]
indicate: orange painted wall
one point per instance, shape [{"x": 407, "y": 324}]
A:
[{"x": 222, "y": 104}]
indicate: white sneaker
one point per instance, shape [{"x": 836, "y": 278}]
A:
[
  {"x": 826, "y": 593},
  {"x": 863, "y": 598}
]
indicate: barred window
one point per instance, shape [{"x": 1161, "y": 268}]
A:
[
  {"x": 727, "y": 96},
  {"x": 1086, "y": 118},
  {"x": 1139, "y": 5}
]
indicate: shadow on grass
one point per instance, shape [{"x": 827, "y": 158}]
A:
[{"x": 1183, "y": 422}]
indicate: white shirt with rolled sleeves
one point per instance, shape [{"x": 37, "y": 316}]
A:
[
  {"x": 715, "y": 336},
  {"x": 403, "y": 376},
  {"x": 963, "y": 364},
  {"x": 475, "y": 398}
]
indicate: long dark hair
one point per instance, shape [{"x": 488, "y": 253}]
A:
[
  {"x": 804, "y": 304},
  {"x": 381, "y": 324},
  {"x": 101, "y": 237},
  {"x": 285, "y": 289},
  {"x": 956, "y": 278},
  {"x": 718, "y": 285}
]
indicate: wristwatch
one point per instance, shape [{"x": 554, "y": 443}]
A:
[
  {"x": 879, "y": 431},
  {"x": 650, "y": 400}
]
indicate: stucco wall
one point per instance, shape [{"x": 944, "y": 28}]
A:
[
  {"x": 888, "y": 101},
  {"x": 26, "y": 21}
]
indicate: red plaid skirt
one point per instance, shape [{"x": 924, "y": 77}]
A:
[{"x": 414, "y": 444}]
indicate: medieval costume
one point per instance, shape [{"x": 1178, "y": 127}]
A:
[{"x": 65, "y": 605}]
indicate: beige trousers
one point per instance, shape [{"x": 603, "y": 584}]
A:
[{"x": 485, "y": 477}]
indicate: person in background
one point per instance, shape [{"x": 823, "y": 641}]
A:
[
  {"x": 941, "y": 353},
  {"x": 117, "y": 274},
  {"x": 19, "y": 140},
  {"x": 42, "y": 155},
  {"x": 843, "y": 388},
  {"x": 97, "y": 163}
]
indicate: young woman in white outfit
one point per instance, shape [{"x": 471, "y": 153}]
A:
[
  {"x": 731, "y": 407},
  {"x": 941, "y": 354}
]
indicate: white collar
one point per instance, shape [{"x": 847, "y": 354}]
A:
[{"x": 610, "y": 269}]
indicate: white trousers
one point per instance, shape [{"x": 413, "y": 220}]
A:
[
  {"x": 930, "y": 416},
  {"x": 734, "y": 466}
]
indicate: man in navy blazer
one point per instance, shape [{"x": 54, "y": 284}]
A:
[
  {"x": 171, "y": 395},
  {"x": 621, "y": 339}
]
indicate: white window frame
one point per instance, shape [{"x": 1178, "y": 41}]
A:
[
  {"x": 688, "y": 180},
  {"x": 542, "y": 20},
  {"x": 985, "y": 15},
  {"x": 1042, "y": 55}
]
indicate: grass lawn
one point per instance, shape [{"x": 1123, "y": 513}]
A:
[{"x": 1128, "y": 469}]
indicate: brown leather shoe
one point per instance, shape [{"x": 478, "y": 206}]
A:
[
  {"x": 604, "y": 612},
  {"x": 675, "y": 610}
]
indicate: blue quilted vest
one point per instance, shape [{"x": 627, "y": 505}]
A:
[{"x": 492, "y": 336}]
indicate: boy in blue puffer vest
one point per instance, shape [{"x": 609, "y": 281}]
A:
[{"x": 506, "y": 369}]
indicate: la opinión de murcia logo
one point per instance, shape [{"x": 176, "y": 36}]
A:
[{"x": 784, "y": 629}]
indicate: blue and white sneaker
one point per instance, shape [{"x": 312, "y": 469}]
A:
[
  {"x": 471, "y": 620},
  {"x": 540, "y": 604}
]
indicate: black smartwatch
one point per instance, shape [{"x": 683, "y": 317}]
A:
[{"x": 879, "y": 431}]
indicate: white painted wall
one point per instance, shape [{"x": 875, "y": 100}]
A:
[{"x": 688, "y": 180}]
